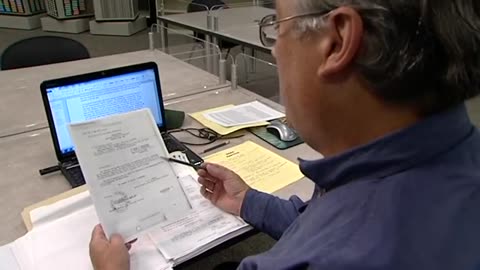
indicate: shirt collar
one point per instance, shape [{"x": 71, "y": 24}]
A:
[{"x": 394, "y": 153}]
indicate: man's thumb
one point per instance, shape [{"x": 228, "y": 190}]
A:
[{"x": 98, "y": 233}]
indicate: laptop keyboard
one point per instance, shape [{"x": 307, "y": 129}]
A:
[{"x": 74, "y": 176}]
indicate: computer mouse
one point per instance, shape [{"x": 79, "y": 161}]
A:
[{"x": 282, "y": 131}]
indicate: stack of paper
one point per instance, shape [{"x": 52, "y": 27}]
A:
[
  {"x": 245, "y": 114},
  {"x": 61, "y": 234},
  {"x": 228, "y": 119},
  {"x": 204, "y": 229},
  {"x": 60, "y": 238},
  {"x": 133, "y": 191}
]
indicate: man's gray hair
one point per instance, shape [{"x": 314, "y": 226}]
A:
[{"x": 414, "y": 52}]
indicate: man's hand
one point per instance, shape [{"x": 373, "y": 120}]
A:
[
  {"x": 222, "y": 187},
  {"x": 108, "y": 255}
]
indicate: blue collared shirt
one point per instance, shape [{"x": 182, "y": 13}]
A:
[{"x": 410, "y": 200}]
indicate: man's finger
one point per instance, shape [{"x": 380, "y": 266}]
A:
[
  {"x": 202, "y": 172},
  {"x": 117, "y": 239},
  {"x": 209, "y": 185},
  {"x": 206, "y": 175},
  {"x": 98, "y": 233},
  {"x": 202, "y": 180},
  {"x": 205, "y": 193},
  {"x": 218, "y": 172}
]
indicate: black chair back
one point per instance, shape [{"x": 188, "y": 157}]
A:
[{"x": 42, "y": 50}]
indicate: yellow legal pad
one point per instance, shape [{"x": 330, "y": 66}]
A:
[
  {"x": 260, "y": 168},
  {"x": 219, "y": 128}
]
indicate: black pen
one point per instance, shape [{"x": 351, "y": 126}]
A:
[
  {"x": 215, "y": 147},
  {"x": 196, "y": 167}
]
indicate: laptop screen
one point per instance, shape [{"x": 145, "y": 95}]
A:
[{"x": 90, "y": 99}]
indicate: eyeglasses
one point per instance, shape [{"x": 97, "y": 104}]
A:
[
  {"x": 268, "y": 26},
  {"x": 203, "y": 133}
]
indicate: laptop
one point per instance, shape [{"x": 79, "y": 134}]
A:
[{"x": 90, "y": 96}]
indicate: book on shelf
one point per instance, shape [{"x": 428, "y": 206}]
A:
[
  {"x": 13, "y": 6},
  {"x": 34, "y": 5},
  {"x": 21, "y": 7},
  {"x": 82, "y": 5}
]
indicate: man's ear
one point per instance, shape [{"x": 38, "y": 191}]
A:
[{"x": 340, "y": 41}]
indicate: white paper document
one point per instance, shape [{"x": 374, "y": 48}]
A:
[
  {"x": 65, "y": 236},
  {"x": 8, "y": 261},
  {"x": 195, "y": 231},
  {"x": 62, "y": 230},
  {"x": 63, "y": 242},
  {"x": 46, "y": 214},
  {"x": 244, "y": 114},
  {"x": 23, "y": 251},
  {"x": 132, "y": 187}
]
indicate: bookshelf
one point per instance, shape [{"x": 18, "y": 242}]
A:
[
  {"x": 116, "y": 10},
  {"x": 21, "y": 14},
  {"x": 117, "y": 17},
  {"x": 69, "y": 9},
  {"x": 22, "y": 7},
  {"x": 68, "y": 16}
]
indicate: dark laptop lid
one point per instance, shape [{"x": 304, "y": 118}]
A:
[{"x": 90, "y": 96}]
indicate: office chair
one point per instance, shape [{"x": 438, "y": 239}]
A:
[
  {"x": 203, "y": 5},
  {"x": 42, "y": 50}
]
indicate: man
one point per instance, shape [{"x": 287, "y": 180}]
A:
[{"x": 378, "y": 87}]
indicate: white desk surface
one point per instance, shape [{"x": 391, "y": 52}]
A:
[
  {"x": 21, "y": 157},
  {"x": 238, "y": 23},
  {"x": 21, "y": 106}
]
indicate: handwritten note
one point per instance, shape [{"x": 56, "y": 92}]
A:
[
  {"x": 199, "y": 116},
  {"x": 260, "y": 168}
]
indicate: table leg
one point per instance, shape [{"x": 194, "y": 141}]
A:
[
  {"x": 215, "y": 55},
  {"x": 164, "y": 36},
  {"x": 208, "y": 54},
  {"x": 251, "y": 60},
  {"x": 161, "y": 6},
  {"x": 254, "y": 63}
]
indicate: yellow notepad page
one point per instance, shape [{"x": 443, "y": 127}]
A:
[
  {"x": 260, "y": 168},
  {"x": 219, "y": 128}
]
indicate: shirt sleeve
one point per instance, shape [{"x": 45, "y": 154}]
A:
[{"x": 270, "y": 214}]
